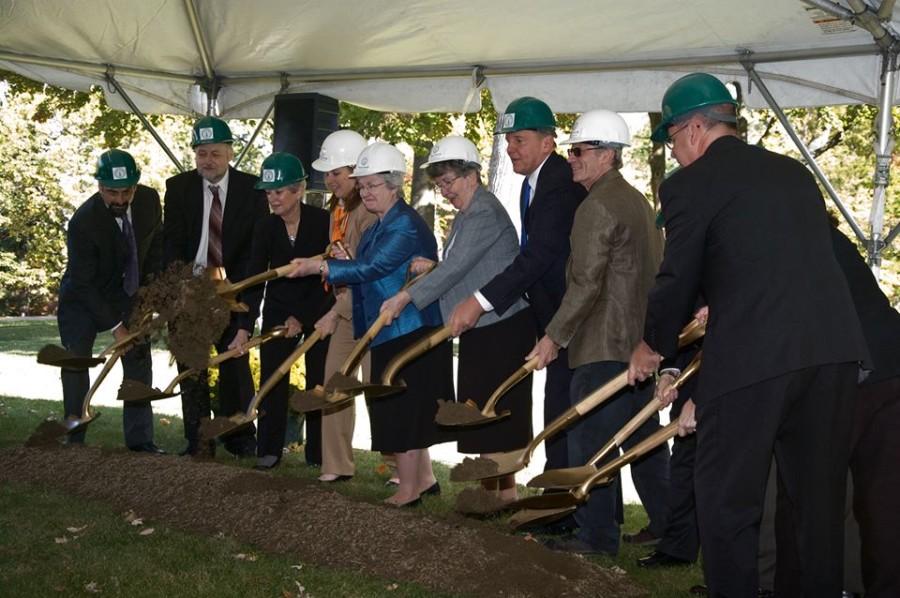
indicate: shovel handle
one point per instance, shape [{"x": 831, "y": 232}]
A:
[
  {"x": 423, "y": 346},
  {"x": 340, "y": 245},
  {"x": 410, "y": 281},
  {"x": 507, "y": 384},
  {"x": 271, "y": 274},
  {"x": 362, "y": 345},
  {"x": 85, "y": 406},
  {"x": 640, "y": 449},
  {"x": 280, "y": 373}
]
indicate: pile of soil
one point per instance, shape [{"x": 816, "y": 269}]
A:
[
  {"x": 319, "y": 526},
  {"x": 474, "y": 468},
  {"x": 451, "y": 413},
  {"x": 192, "y": 316},
  {"x": 476, "y": 500}
]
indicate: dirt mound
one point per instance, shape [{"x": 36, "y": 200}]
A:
[{"x": 289, "y": 515}]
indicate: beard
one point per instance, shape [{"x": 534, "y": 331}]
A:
[{"x": 118, "y": 211}]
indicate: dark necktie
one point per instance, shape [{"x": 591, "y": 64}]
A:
[
  {"x": 524, "y": 200},
  {"x": 214, "y": 247},
  {"x": 130, "y": 279}
]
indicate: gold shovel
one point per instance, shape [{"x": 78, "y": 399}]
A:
[
  {"x": 341, "y": 388},
  {"x": 57, "y": 356},
  {"x": 229, "y": 291},
  {"x": 467, "y": 414},
  {"x": 482, "y": 468},
  {"x": 604, "y": 475},
  {"x": 388, "y": 386},
  {"x": 574, "y": 476},
  {"x": 222, "y": 426},
  {"x": 134, "y": 391}
]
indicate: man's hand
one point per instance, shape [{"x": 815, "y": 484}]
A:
[
  {"x": 546, "y": 350},
  {"x": 687, "y": 422},
  {"x": 644, "y": 362},
  {"x": 240, "y": 339},
  {"x": 304, "y": 266},
  {"x": 702, "y": 315},
  {"x": 120, "y": 333},
  {"x": 327, "y": 324},
  {"x": 293, "y": 327},
  {"x": 465, "y": 315},
  {"x": 665, "y": 392},
  {"x": 395, "y": 305}
]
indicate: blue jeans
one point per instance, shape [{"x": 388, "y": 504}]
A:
[{"x": 599, "y": 519}]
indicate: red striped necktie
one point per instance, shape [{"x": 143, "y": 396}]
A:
[{"x": 214, "y": 247}]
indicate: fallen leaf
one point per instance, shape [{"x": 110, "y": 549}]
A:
[
  {"x": 146, "y": 531},
  {"x": 92, "y": 587},
  {"x": 286, "y": 594},
  {"x": 62, "y": 540},
  {"x": 297, "y": 567},
  {"x": 617, "y": 570},
  {"x": 300, "y": 588},
  {"x": 391, "y": 587},
  {"x": 137, "y": 521},
  {"x": 381, "y": 468},
  {"x": 76, "y": 530},
  {"x": 165, "y": 421},
  {"x": 245, "y": 557}
]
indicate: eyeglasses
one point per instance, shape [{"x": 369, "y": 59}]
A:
[
  {"x": 577, "y": 151},
  {"x": 441, "y": 184},
  {"x": 671, "y": 142},
  {"x": 370, "y": 187}
]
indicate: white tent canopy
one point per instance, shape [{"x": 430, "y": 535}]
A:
[
  {"x": 170, "y": 56},
  {"x": 420, "y": 55}
]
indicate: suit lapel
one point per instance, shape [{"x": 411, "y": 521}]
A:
[{"x": 195, "y": 211}]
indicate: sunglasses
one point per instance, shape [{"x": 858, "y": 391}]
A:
[{"x": 577, "y": 151}]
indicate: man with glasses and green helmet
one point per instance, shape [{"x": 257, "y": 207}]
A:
[
  {"x": 748, "y": 229},
  {"x": 114, "y": 243},
  {"x": 210, "y": 213}
]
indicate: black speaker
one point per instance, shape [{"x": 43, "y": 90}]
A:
[{"x": 302, "y": 122}]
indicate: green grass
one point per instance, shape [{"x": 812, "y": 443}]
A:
[
  {"x": 27, "y": 336},
  {"x": 31, "y": 564}
]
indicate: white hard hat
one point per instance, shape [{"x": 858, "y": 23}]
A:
[
  {"x": 453, "y": 147},
  {"x": 379, "y": 157},
  {"x": 600, "y": 126},
  {"x": 341, "y": 148}
]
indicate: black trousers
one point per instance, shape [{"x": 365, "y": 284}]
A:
[
  {"x": 235, "y": 391},
  {"x": 681, "y": 538},
  {"x": 804, "y": 418},
  {"x": 556, "y": 401},
  {"x": 274, "y": 407}
]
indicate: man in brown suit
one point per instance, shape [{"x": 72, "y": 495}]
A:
[{"x": 616, "y": 251}]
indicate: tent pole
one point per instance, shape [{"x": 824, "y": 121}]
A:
[
  {"x": 256, "y": 131},
  {"x": 137, "y": 112},
  {"x": 884, "y": 148},
  {"x": 199, "y": 38},
  {"x": 811, "y": 161}
]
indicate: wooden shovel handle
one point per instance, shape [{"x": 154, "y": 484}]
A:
[
  {"x": 340, "y": 245},
  {"x": 279, "y": 272},
  {"x": 130, "y": 337},
  {"x": 362, "y": 345},
  {"x": 507, "y": 384},
  {"x": 85, "y": 406},
  {"x": 410, "y": 281},
  {"x": 423, "y": 346},
  {"x": 282, "y": 370}
]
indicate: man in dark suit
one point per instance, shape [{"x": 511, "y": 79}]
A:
[
  {"x": 549, "y": 199},
  {"x": 114, "y": 243},
  {"x": 748, "y": 229},
  {"x": 210, "y": 213}
]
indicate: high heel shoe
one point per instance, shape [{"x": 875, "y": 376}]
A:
[
  {"x": 412, "y": 503},
  {"x": 433, "y": 490}
]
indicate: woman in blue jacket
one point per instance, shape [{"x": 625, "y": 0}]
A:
[{"x": 402, "y": 423}]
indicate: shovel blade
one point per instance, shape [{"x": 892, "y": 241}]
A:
[
  {"x": 529, "y": 517},
  {"x": 344, "y": 384},
  {"x": 59, "y": 357},
  {"x": 211, "y": 429},
  {"x": 451, "y": 413},
  {"x": 481, "y": 468},
  {"x": 133, "y": 392},
  {"x": 74, "y": 424},
  {"x": 376, "y": 391},
  {"x": 317, "y": 399},
  {"x": 563, "y": 478}
]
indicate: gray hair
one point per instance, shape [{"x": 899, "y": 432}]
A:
[{"x": 394, "y": 181}]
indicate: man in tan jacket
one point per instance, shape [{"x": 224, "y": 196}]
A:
[{"x": 616, "y": 251}]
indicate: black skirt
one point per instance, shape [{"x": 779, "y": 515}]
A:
[
  {"x": 488, "y": 356},
  {"x": 405, "y": 421}
]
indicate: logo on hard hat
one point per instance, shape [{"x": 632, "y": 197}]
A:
[
  {"x": 206, "y": 133},
  {"x": 268, "y": 175},
  {"x": 508, "y": 120},
  {"x": 119, "y": 173},
  {"x": 364, "y": 161}
]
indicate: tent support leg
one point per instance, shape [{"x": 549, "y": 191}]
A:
[
  {"x": 884, "y": 149},
  {"x": 256, "y": 131},
  {"x": 811, "y": 161},
  {"x": 137, "y": 112}
]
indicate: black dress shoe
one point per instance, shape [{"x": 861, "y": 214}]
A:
[
  {"x": 643, "y": 537},
  {"x": 573, "y": 545},
  {"x": 433, "y": 490},
  {"x": 657, "y": 559},
  {"x": 267, "y": 462},
  {"x": 336, "y": 478},
  {"x": 147, "y": 447}
]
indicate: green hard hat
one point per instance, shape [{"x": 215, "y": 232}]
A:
[
  {"x": 210, "y": 129},
  {"x": 116, "y": 169},
  {"x": 280, "y": 170},
  {"x": 525, "y": 113},
  {"x": 687, "y": 94}
]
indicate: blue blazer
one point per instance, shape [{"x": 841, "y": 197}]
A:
[{"x": 379, "y": 271}]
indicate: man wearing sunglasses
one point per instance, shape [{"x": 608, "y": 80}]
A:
[
  {"x": 748, "y": 229},
  {"x": 616, "y": 250}
]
